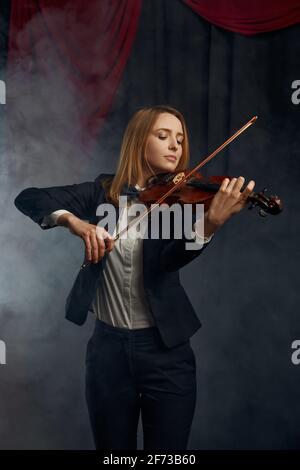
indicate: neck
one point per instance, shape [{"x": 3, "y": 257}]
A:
[{"x": 142, "y": 180}]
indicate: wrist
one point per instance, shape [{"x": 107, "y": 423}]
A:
[
  {"x": 210, "y": 225},
  {"x": 65, "y": 219}
]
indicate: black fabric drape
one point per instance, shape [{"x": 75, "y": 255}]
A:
[{"x": 4, "y": 23}]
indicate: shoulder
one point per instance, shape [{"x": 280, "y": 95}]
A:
[
  {"x": 102, "y": 183},
  {"x": 104, "y": 177}
]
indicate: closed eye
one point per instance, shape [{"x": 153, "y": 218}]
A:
[{"x": 162, "y": 137}]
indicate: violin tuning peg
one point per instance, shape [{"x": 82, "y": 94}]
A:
[
  {"x": 264, "y": 190},
  {"x": 254, "y": 204},
  {"x": 262, "y": 213}
]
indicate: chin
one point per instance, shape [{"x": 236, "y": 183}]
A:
[{"x": 167, "y": 167}]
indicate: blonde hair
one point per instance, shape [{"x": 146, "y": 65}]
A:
[{"x": 131, "y": 160}]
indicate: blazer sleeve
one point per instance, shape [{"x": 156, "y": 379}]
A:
[
  {"x": 174, "y": 254},
  {"x": 79, "y": 199}
]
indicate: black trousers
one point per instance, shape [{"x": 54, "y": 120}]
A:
[{"x": 129, "y": 372}]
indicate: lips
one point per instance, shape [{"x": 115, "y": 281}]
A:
[{"x": 171, "y": 158}]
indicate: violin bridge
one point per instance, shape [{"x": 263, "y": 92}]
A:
[{"x": 178, "y": 177}]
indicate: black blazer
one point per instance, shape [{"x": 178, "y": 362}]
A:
[{"x": 172, "y": 310}]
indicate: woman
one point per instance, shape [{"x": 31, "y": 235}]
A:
[{"x": 139, "y": 358}]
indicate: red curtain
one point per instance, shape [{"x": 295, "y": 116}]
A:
[
  {"x": 86, "y": 42},
  {"x": 248, "y": 17}
]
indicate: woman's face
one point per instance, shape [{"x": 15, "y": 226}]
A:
[{"x": 164, "y": 144}]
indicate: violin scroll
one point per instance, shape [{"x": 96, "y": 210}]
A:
[{"x": 268, "y": 204}]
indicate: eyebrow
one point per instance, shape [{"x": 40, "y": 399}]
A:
[{"x": 165, "y": 129}]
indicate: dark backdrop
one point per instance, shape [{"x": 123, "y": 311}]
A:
[{"x": 244, "y": 287}]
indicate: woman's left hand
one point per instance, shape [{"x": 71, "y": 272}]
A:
[{"x": 229, "y": 200}]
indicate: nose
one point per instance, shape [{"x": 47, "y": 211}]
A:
[{"x": 173, "y": 143}]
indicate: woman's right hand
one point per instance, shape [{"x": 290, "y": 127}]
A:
[{"x": 97, "y": 240}]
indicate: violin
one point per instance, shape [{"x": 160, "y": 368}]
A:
[{"x": 199, "y": 190}]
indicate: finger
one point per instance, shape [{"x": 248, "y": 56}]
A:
[
  {"x": 88, "y": 248},
  {"x": 102, "y": 240},
  {"x": 102, "y": 249},
  {"x": 238, "y": 185},
  {"x": 95, "y": 249},
  {"x": 101, "y": 245},
  {"x": 231, "y": 185},
  {"x": 107, "y": 247},
  {"x": 224, "y": 184},
  {"x": 243, "y": 199},
  {"x": 249, "y": 188},
  {"x": 109, "y": 242}
]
